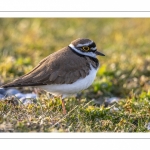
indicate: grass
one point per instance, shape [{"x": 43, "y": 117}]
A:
[{"x": 124, "y": 73}]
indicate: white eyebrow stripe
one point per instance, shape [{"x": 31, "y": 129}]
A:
[{"x": 87, "y": 44}]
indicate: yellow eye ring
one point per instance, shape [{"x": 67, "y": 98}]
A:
[{"x": 86, "y": 48}]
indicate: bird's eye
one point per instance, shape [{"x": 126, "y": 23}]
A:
[{"x": 86, "y": 48}]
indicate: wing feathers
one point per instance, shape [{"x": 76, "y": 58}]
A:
[{"x": 61, "y": 67}]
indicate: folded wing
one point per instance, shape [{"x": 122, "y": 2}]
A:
[{"x": 61, "y": 67}]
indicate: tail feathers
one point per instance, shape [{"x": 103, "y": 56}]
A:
[
  {"x": 15, "y": 83},
  {"x": 11, "y": 84},
  {"x": 20, "y": 83}
]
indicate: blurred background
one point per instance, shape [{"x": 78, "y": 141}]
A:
[{"x": 124, "y": 71}]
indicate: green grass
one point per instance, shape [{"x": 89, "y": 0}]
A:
[{"x": 124, "y": 73}]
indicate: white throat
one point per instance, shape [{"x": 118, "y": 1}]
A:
[{"x": 91, "y": 54}]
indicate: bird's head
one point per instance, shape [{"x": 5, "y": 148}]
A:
[{"x": 85, "y": 47}]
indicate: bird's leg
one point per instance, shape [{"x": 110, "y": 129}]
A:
[
  {"x": 36, "y": 90},
  {"x": 63, "y": 106}
]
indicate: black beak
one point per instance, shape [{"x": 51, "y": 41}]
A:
[{"x": 99, "y": 53}]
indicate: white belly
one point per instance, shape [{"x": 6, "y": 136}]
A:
[{"x": 66, "y": 90}]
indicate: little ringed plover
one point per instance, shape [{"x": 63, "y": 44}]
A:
[{"x": 64, "y": 72}]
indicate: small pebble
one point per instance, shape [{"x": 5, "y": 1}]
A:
[
  {"x": 30, "y": 95},
  {"x": 19, "y": 95},
  {"x": 11, "y": 92},
  {"x": 2, "y": 91},
  {"x": 148, "y": 126},
  {"x": 24, "y": 98},
  {"x": 28, "y": 98},
  {"x": 110, "y": 101},
  {"x": 114, "y": 109},
  {"x": 1, "y": 96},
  {"x": 26, "y": 101}
]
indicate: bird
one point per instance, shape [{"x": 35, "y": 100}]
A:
[{"x": 65, "y": 72}]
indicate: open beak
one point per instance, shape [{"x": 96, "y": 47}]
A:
[{"x": 99, "y": 53}]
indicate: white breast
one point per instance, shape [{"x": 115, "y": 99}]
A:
[{"x": 69, "y": 89}]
